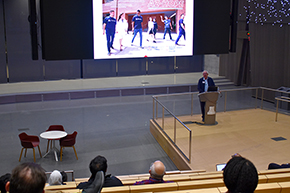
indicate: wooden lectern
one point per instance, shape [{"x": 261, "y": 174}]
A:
[{"x": 210, "y": 99}]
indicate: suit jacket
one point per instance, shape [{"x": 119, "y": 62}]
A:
[{"x": 201, "y": 84}]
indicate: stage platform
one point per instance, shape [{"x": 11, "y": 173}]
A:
[
  {"x": 103, "y": 87},
  {"x": 253, "y": 133}
]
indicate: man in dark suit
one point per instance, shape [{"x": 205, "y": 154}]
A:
[{"x": 202, "y": 86}]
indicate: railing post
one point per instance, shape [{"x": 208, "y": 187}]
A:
[
  {"x": 262, "y": 98},
  {"x": 189, "y": 157},
  {"x": 256, "y": 97},
  {"x": 156, "y": 108},
  {"x": 153, "y": 108},
  {"x": 174, "y": 130},
  {"x": 277, "y": 110},
  {"x": 163, "y": 118},
  {"x": 191, "y": 104},
  {"x": 225, "y": 101}
]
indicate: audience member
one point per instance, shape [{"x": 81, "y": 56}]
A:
[
  {"x": 99, "y": 163},
  {"x": 277, "y": 166},
  {"x": 157, "y": 171},
  {"x": 3, "y": 180},
  {"x": 240, "y": 175},
  {"x": 27, "y": 178},
  {"x": 64, "y": 177},
  {"x": 55, "y": 178}
]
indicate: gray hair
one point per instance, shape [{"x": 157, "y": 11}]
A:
[{"x": 153, "y": 172}]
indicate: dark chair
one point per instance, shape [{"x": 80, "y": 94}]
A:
[
  {"x": 68, "y": 141},
  {"x": 29, "y": 141},
  {"x": 53, "y": 128}
]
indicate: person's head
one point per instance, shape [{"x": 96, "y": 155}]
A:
[
  {"x": 3, "y": 180},
  {"x": 157, "y": 170},
  {"x": 150, "y": 18},
  {"x": 55, "y": 178},
  {"x": 182, "y": 16},
  {"x": 165, "y": 17},
  {"x": 121, "y": 16},
  {"x": 64, "y": 177},
  {"x": 27, "y": 178},
  {"x": 99, "y": 163},
  {"x": 205, "y": 74},
  {"x": 112, "y": 13},
  {"x": 138, "y": 12},
  {"x": 240, "y": 175}
]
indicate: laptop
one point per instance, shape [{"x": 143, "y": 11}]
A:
[
  {"x": 212, "y": 88},
  {"x": 220, "y": 167}
]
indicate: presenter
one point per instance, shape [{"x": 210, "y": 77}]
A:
[{"x": 202, "y": 86}]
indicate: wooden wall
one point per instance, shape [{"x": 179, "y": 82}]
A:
[{"x": 269, "y": 50}]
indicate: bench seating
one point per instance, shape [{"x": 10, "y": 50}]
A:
[{"x": 271, "y": 181}]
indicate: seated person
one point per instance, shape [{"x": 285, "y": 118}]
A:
[
  {"x": 55, "y": 178},
  {"x": 277, "y": 166},
  {"x": 3, "y": 180},
  {"x": 240, "y": 175},
  {"x": 99, "y": 163},
  {"x": 27, "y": 178},
  {"x": 157, "y": 171}
]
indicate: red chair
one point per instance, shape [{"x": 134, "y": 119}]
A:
[
  {"x": 53, "y": 128},
  {"x": 68, "y": 141},
  {"x": 29, "y": 141}
]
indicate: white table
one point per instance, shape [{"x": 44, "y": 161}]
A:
[{"x": 53, "y": 135}]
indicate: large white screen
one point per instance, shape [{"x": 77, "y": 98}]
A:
[{"x": 153, "y": 9}]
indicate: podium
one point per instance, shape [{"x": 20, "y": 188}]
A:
[{"x": 210, "y": 99}]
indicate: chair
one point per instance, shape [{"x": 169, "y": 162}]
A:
[
  {"x": 68, "y": 141},
  {"x": 53, "y": 128},
  {"x": 29, "y": 141}
]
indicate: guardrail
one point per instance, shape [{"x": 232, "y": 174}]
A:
[{"x": 256, "y": 93}]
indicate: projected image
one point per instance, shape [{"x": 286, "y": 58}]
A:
[{"x": 143, "y": 28}]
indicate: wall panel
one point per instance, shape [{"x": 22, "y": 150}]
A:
[
  {"x": 189, "y": 63},
  {"x": 134, "y": 66},
  {"x": 68, "y": 69},
  {"x": 164, "y": 65},
  {"x": 20, "y": 64},
  {"x": 99, "y": 68},
  {"x": 269, "y": 50},
  {"x": 3, "y": 78}
]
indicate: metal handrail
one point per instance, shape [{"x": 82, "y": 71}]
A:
[
  {"x": 281, "y": 98},
  {"x": 155, "y": 106},
  {"x": 169, "y": 113},
  {"x": 175, "y": 119}
]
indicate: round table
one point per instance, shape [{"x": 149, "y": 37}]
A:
[{"x": 53, "y": 135}]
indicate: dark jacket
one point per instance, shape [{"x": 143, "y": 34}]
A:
[
  {"x": 201, "y": 84},
  {"x": 109, "y": 181}
]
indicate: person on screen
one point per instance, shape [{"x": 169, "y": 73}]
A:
[
  {"x": 155, "y": 28},
  {"x": 181, "y": 29},
  {"x": 122, "y": 28},
  {"x": 167, "y": 26},
  {"x": 150, "y": 30},
  {"x": 137, "y": 26},
  {"x": 109, "y": 27},
  {"x": 203, "y": 84},
  {"x": 157, "y": 171}
]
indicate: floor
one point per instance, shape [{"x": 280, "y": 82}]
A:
[
  {"x": 253, "y": 133},
  {"x": 115, "y": 127}
]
